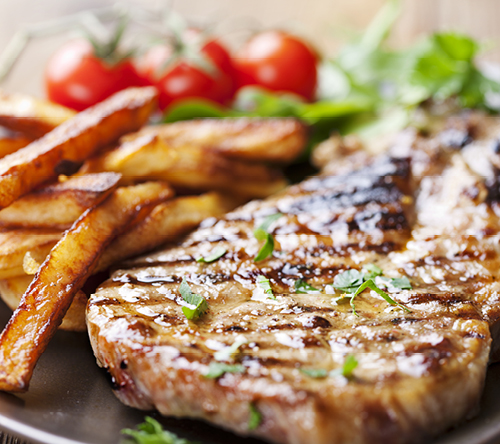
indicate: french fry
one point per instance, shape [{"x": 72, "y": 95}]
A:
[
  {"x": 278, "y": 140},
  {"x": 15, "y": 243},
  {"x": 47, "y": 299},
  {"x": 12, "y": 289},
  {"x": 165, "y": 223},
  {"x": 74, "y": 140},
  {"x": 11, "y": 141},
  {"x": 187, "y": 167},
  {"x": 31, "y": 116},
  {"x": 58, "y": 205}
]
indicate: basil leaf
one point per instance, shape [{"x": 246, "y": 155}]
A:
[
  {"x": 262, "y": 234},
  {"x": 302, "y": 287},
  {"x": 402, "y": 283},
  {"x": 151, "y": 432},
  {"x": 314, "y": 373},
  {"x": 217, "y": 369},
  {"x": 255, "y": 417},
  {"x": 217, "y": 253},
  {"x": 197, "y": 304},
  {"x": 227, "y": 353}
]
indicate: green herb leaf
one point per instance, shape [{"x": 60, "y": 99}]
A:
[
  {"x": 348, "y": 281},
  {"x": 262, "y": 234},
  {"x": 217, "y": 369},
  {"x": 302, "y": 287},
  {"x": 266, "y": 286},
  {"x": 255, "y": 417},
  {"x": 314, "y": 373},
  {"x": 217, "y": 253},
  {"x": 371, "y": 285},
  {"x": 347, "y": 368},
  {"x": 371, "y": 271},
  {"x": 151, "y": 432},
  {"x": 197, "y": 304},
  {"x": 402, "y": 283},
  {"x": 228, "y": 353}
]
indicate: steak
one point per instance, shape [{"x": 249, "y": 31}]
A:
[{"x": 428, "y": 210}]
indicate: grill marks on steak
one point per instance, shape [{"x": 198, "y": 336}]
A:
[{"x": 419, "y": 372}]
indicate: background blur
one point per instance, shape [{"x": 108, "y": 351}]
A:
[{"x": 326, "y": 23}]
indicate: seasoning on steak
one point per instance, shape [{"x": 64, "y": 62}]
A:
[{"x": 430, "y": 213}]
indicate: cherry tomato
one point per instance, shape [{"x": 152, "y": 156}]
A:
[
  {"x": 75, "y": 77},
  {"x": 279, "y": 62},
  {"x": 187, "y": 78}
]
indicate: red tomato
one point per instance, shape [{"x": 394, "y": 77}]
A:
[
  {"x": 278, "y": 61},
  {"x": 76, "y": 78},
  {"x": 185, "y": 79}
]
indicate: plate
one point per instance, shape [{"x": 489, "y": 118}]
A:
[{"x": 70, "y": 402}]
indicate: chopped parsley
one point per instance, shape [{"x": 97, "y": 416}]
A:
[
  {"x": 216, "y": 253},
  {"x": 403, "y": 283},
  {"x": 255, "y": 417},
  {"x": 217, "y": 369},
  {"x": 266, "y": 286},
  {"x": 354, "y": 282},
  {"x": 197, "y": 304},
  {"x": 316, "y": 373},
  {"x": 151, "y": 432},
  {"x": 346, "y": 370},
  {"x": 302, "y": 287},
  {"x": 227, "y": 353},
  {"x": 262, "y": 234},
  {"x": 372, "y": 271}
]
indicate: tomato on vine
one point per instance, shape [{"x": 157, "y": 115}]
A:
[
  {"x": 278, "y": 61},
  {"x": 189, "y": 68},
  {"x": 83, "y": 72}
]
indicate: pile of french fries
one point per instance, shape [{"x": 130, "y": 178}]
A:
[{"x": 82, "y": 192}]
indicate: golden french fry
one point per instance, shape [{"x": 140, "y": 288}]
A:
[
  {"x": 187, "y": 167},
  {"x": 15, "y": 243},
  {"x": 59, "y": 205},
  {"x": 12, "y": 289},
  {"x": 278, "y": 140},
  {"x": 11, "y": 141},
  {"x": 74, "y": 140},
  {"x": 47, "y": 299},
  {"x": 165, "y": 223},
  {"x": 31, "y": 116}
]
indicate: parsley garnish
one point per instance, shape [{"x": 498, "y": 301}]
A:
[
  {"x": 372, "y": 271},
  {"x": 217, "y": 369},
  {"x": 354, "y": 282},
  {"x": 262, "y": 234},
  {"x": 266, "y": 286},
  {"x": 227, "y": 353},
  {"x": 403, "y": 283},
  {"x": 255, "y": 417},
  {"x": 216, "y": 253},
  {"x": 316, "y": 373},
  {"x": 197, "y": 304},
  {"x": 302, "y": 287},
  {"x": 346, "y": 370},
  {"x": 151, "y": 431}
]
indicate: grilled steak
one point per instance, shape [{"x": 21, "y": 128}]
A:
[{"x": 428, "y": 211}]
